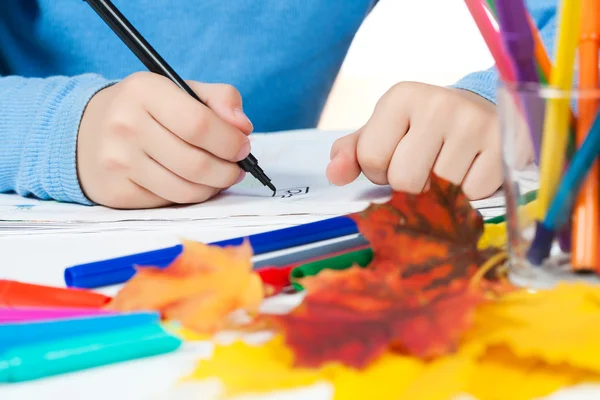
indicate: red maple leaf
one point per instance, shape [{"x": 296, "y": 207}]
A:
[
  {"x": 429, "y": 239},
  {"x": 414, "y": 296},
  {"x": 354, "y": 315}
]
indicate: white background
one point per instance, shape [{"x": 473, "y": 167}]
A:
[{"x": 431, "y": 41}]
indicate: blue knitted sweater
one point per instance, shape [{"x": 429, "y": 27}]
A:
[{"x": 283, "y": 56}]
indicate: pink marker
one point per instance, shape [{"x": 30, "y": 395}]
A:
[
  {"x": 493, "y": 40},
  {"x": 8, "y": 315}
]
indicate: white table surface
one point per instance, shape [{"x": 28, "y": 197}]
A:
[{"x": 42, "y": 259}]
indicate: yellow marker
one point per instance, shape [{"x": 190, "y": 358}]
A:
[
  {"x": 527, "y": 212},
  {"x": 556, "y": 123}
]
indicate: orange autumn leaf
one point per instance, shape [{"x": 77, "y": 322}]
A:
[
  {"x": 416, "y": 295},
  {"x": 202, "y": 286}
]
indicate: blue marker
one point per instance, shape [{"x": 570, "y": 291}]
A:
[
  {"x": 562, "y": 205},
  {"x": 119, "y": 270}
]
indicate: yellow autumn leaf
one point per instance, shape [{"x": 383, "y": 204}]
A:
[
  {"x": 246, "y": 368},
  {"x": 249, "y": 369},
  {"x": 494, "y": 235},
  {"x": 500, "y": 375},
  {"x": 387, "y": 378},
  {"x": 442, "y": 379},
  {"x": 557, "y": 325}
]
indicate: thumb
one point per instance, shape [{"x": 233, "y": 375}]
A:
[
  {"x": 225, "y": 101},
  {"x": 343, "y": 167}
]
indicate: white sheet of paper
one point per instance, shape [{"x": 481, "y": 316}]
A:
[{"x": 295, "y": 161}]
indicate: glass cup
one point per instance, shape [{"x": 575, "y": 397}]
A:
[{"x": 523, "y": 118}]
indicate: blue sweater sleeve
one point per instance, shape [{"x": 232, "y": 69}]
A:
[
  {"x": 484, "y": 83},
  {"x": 39, "y": 122}
]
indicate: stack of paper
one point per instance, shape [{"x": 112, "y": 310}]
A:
[{"x": 295, "y": 161}]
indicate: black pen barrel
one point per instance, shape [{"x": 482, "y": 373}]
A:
[{"x": 137, "y": 44}]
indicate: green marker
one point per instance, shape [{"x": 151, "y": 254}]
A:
[
  {"x": 492, "y": 7},
  {"x": 24, "y": 363},
  {"x": 361, "y": 257}
]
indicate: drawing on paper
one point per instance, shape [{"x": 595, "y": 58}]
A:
[{"x": 285, "y": 193}]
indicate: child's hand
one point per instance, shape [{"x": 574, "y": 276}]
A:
[
  {"x": 146, "y": 143},
  {"x": 417, "y": 128}
]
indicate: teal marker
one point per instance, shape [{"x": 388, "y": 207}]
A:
[
  {"x": 28, "y": 333},
  {"x": 24, "y": 363}
]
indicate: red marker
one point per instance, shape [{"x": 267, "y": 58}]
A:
[
  {"x": 18, "y": 294},
  {"x": 277, "y": 278}
]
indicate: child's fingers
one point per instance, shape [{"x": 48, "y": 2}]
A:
[
  {"x": 187, "y": 161},
  {"x": 345, "y": 143},
  {"x": 484, "y": 177},
  {"x": 343, "y": 167},
  {"x": 379, "y": 138},
  {"x": 455, "y": 159},
  {"x": 413, "y": 159},
  {"x": 225, "y": 101},
  {"x": 122, "y": 193},
  {"x": 155, "y": 178},
  {"x": 186, "y": 117},
  {"x": 134, "y": 197}
]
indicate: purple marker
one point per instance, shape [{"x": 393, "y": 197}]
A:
[
  {"x": 518, "y": 38},
  {"x": 513, "y": 19}
]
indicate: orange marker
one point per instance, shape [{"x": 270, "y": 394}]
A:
[
  {"x": 541, "y": 55},
  {"x": 585, "y": 242}
]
